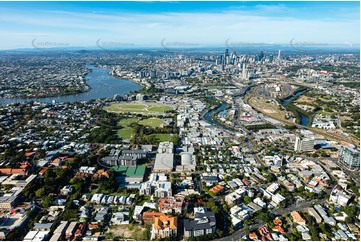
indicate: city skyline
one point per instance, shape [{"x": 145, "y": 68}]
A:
[{"x": 177, "y": 24}]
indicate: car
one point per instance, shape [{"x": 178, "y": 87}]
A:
[
  {"x": 116, "y": 198},
  {"x": 104, "y": 199},
  {"x": 110, "y": 200}
]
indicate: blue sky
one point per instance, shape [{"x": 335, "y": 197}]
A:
[{"x": 88, "y": 24}]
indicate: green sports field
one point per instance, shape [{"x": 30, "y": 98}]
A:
[
  {"x": 125, "y": 133},
  {"x": 165, "y": 137},
  {"x": 142, "y": 108},
  {"x": 127, "y": 121},
  {"x": 152, "y": 122}
]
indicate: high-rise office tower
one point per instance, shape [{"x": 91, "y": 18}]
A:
[
  {"x": 270, "y": 58},
  {"x": 261, "y": 56},
  {"x": 153, "y": 74},
  {"x": 141, "y": 74}
]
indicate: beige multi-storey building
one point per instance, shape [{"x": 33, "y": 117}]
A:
[{"x": 164, "y": 227}]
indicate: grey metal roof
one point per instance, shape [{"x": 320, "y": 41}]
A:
[{"x": 206, "y": 220}]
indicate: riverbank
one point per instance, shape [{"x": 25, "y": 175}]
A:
[
  {"x": 304, "y": 118},
  {"x": 111, "y": 73},
  {"x": 210, "y": 114},
  {"x": 100, "y": 85}
]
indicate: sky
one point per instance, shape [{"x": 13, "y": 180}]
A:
[{"x": 177, "y": 24}]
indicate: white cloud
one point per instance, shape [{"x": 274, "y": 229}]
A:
[{"x": 149, "y": 29}]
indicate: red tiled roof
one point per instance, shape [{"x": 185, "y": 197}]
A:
[
  {"x": 268, "y": 237},
  {"x": 279, "y": 229},
  {"x": 12, "y": 171},
  {"x": 216, "y": 189},
  {"x": 42, "y": 172},
  {"x": 277, "y": 222},
  {"x": 151, "y": 215},
  {"x": 253, "y": 236},
  {"x": 297, "y": 217},
  {"x": 28, "y": 154}
]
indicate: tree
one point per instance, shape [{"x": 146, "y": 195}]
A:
[
  {"x": 265, "y": 216},
  {"x": 271, "y": 177},
  {"x": 247, "y": 222},
  {"x": 349, "y": 219},
  {"x": 47, "y": 201},
  {"x": 69, "y": 214},
  {"x": 331, "y": 182},
  {"x": 40, "y": 192},
  {"x": 219, "y": 233},
  {"x": 326, "y": 229},
  {"x": 350, "y": 210},
  {"x": 247, "y": 199}
]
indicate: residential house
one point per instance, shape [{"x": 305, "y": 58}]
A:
[
  {"x": 297, "y": 218},
  {"x": 311, "y": 211},
  {"x": 66, "y": 190},
  {"x": 233, "y": 198}
]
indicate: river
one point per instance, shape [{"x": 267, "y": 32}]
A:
[
  {"x": 304, "y": 119},
  {"x": 208, "y": 116},
  {"x": 102, "y": 86}
]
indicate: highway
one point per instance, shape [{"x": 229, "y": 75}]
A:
[{"x": 326, "y": 134}]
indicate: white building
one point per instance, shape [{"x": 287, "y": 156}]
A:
[
  {"x": 278, "y": 198},
  {"x": 273, "y": 187},
  {"x": 259, "y": 202},
  {"x": 339, "y": 196},
  {"x": 304, "y": 144}
]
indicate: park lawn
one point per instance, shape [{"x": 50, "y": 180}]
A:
[
  {"x": 127, "y": 121},
  {"x": 217, "y": 87},
  {"x": 151, "y": 122},
  {"x": 159, "y": 108},
  {"x": 125, "y": 133},
  {"x": 28, "y": 90},
  {"x": 325, "y": 112},
  {"x": 166, "y": 137}
]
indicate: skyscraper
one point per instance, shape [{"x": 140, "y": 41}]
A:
[
  {"x": 226, "y": 57},
  {"x": 141, "y": 74},
  {"x": 153, "y": 74},
  {"x": 270, "y": 58},
  {"x": 245, "y": 73}
]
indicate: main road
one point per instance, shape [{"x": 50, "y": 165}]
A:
[{"x": 300, "y": 206}]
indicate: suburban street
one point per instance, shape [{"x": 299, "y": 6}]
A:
[{"x": 300, "y": 206}]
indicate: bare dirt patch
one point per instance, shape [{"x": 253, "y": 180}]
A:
[
  {"x": 305, "y": 99},
  {"x": 128, "y": 231}
]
